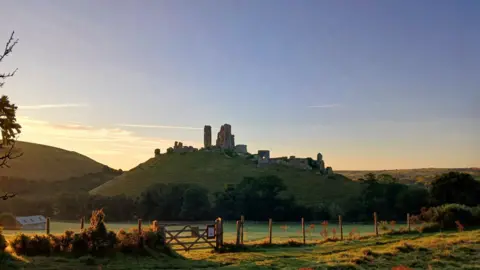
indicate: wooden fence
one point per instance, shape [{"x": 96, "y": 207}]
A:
[{"x": 241, "y": 223}]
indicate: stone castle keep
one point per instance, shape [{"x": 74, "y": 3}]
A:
[{"x": 226, "y": 141}]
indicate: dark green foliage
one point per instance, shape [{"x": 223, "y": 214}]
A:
[
  {"x": 157, "y": 152},
  {"x": 80, "y": 244},
  {"x": 170, "y": 150},
  {"x": 230, "y": 152},
  {"x": 258, "y": 199},
  {"x": 174, "y": 202},
  {"x": 384, "y": 195},
  {"x": 455, "y": 187},
  {"x": 196, "y": 205},
  {"x": 447, "y": 215},
  {"x": 3, "y": 241}
]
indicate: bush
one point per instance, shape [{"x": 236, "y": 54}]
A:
[
  {"x": 446, "y": 215},
  {"x": 3, "y": 241},
  {"x": 428, "y": 228},
  {"x": 7, "y": 220}
]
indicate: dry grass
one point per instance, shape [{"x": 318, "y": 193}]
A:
[{"x": 42, "y": 162}]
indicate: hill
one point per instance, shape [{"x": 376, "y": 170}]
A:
[
  {"x": 213, "y": 170},
  {"x": 47, "y": 163},
  {"x": 408, "y": 176}
]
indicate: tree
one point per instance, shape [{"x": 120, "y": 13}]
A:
[
  {"x": 196, "y": 205},
  {"x": 8, "y": 122},
  {"x": 455, "y": 187}
]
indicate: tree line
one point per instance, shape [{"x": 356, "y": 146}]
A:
[{"x": 257, "y": 198}]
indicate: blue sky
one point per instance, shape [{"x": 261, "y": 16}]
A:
[{"x": 370, "y": 84}]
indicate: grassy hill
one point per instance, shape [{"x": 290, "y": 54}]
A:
[
  {"x": 42, "y": 162},
  {"x": 214, "y": 170}
]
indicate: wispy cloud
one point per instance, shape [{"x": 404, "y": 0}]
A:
[
  {"x": 114, "y": 146},
  {"x": 52, "y": 106},
  {"x": 325, "y": 106},
  {"x": 158, "y": 126}
]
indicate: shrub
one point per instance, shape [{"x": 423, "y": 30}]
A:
[
  {"x": 7, "y": 220},
  {"x": 230, "y": 153},
  {"x": 428, "y": 228},
  {"x": 80, "y": 244},
  {"x": 447, "y": 215},
  {"x": 3, "y": 241},
  {"x": 39, "y": 245},
  {"x": 128, "y": 242},
  {"x": 20, "y": 243}
]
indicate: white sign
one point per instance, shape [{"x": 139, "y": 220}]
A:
[{"x": 211, "y": 232}]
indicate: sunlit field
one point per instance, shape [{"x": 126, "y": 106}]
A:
[
  {"x": 253, "y": 231},
  {"x": 451, "y": 250}
]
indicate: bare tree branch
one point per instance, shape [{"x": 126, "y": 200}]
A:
[
  {"x": 7, "y": 196},
  {"x": 9, "y": 46},
  {"x": 8, "y": 110},
  {"x": 9, "y": 155},
  {"x": 8, "y": 49}
]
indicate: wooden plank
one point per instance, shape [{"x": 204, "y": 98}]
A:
[{"x": 189, "y": 243}]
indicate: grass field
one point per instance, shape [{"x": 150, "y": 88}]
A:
[
  {"x": 252, "y": 231},
  {"x": 42, "y": 162},
  {"x": 452, "y": 250}
]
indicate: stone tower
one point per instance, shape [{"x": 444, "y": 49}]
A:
[
  {"x": 225, "y": 139},
  {"x": 321, "y": 163},
  {"x": 207, "y": 136}
]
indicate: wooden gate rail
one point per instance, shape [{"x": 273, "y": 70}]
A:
[{"x": 173, "y": 237}]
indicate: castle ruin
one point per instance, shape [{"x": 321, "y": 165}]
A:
[
  {"x": 207, "y": 136},
  {"x": 225, "y": 139}
]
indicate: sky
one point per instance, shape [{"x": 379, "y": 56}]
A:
[{"x": 369, "y": 84}]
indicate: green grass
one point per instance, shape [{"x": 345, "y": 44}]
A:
[
  {"x": 213, "y": 170},
  {"x": 252, "y": 231},
  {"x": 450, "y": 250},
  {"x": 42, "y": 162}
]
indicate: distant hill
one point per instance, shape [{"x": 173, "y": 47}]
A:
[
  {"x": 424, "y": 175},
  {"x": 47, "y": 163},
  {"x": 213, "y": 170}
]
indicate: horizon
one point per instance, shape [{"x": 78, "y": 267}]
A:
[{"x": 371, "y": 85}]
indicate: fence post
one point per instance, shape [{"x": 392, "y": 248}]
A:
[
  {"x": 408, "y": 221},
  {"x": 140, "y": 226},
  {"x": 303, "y": 230},
  {"x": 47, "y": 226},
  {"x": 155, "y": 226},
  {"x": 270, "y": 231},
  {"x": 242, "y": 219},
  {"x": 82, "y": 223},
  {"x": 238, "y": 233},
  {"x": 375, "y": 225},
  {"x": 341, "y": 226},
  {"x": 221, "y": 232}
]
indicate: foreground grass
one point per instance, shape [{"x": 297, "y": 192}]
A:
[
  {"x": 428, "y": 251},
  {"x": 437, "y": 251}
]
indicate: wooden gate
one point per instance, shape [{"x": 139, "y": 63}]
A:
[{"x": 192, "y": 237}]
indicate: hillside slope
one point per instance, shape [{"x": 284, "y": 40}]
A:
[
  {"x": 42, "y": 162},
  {"x": 214, "y": 170}
]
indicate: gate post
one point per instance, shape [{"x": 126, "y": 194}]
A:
[
  {"x": 219, "y": 233},
  {"x": 242, "y": 220}
]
